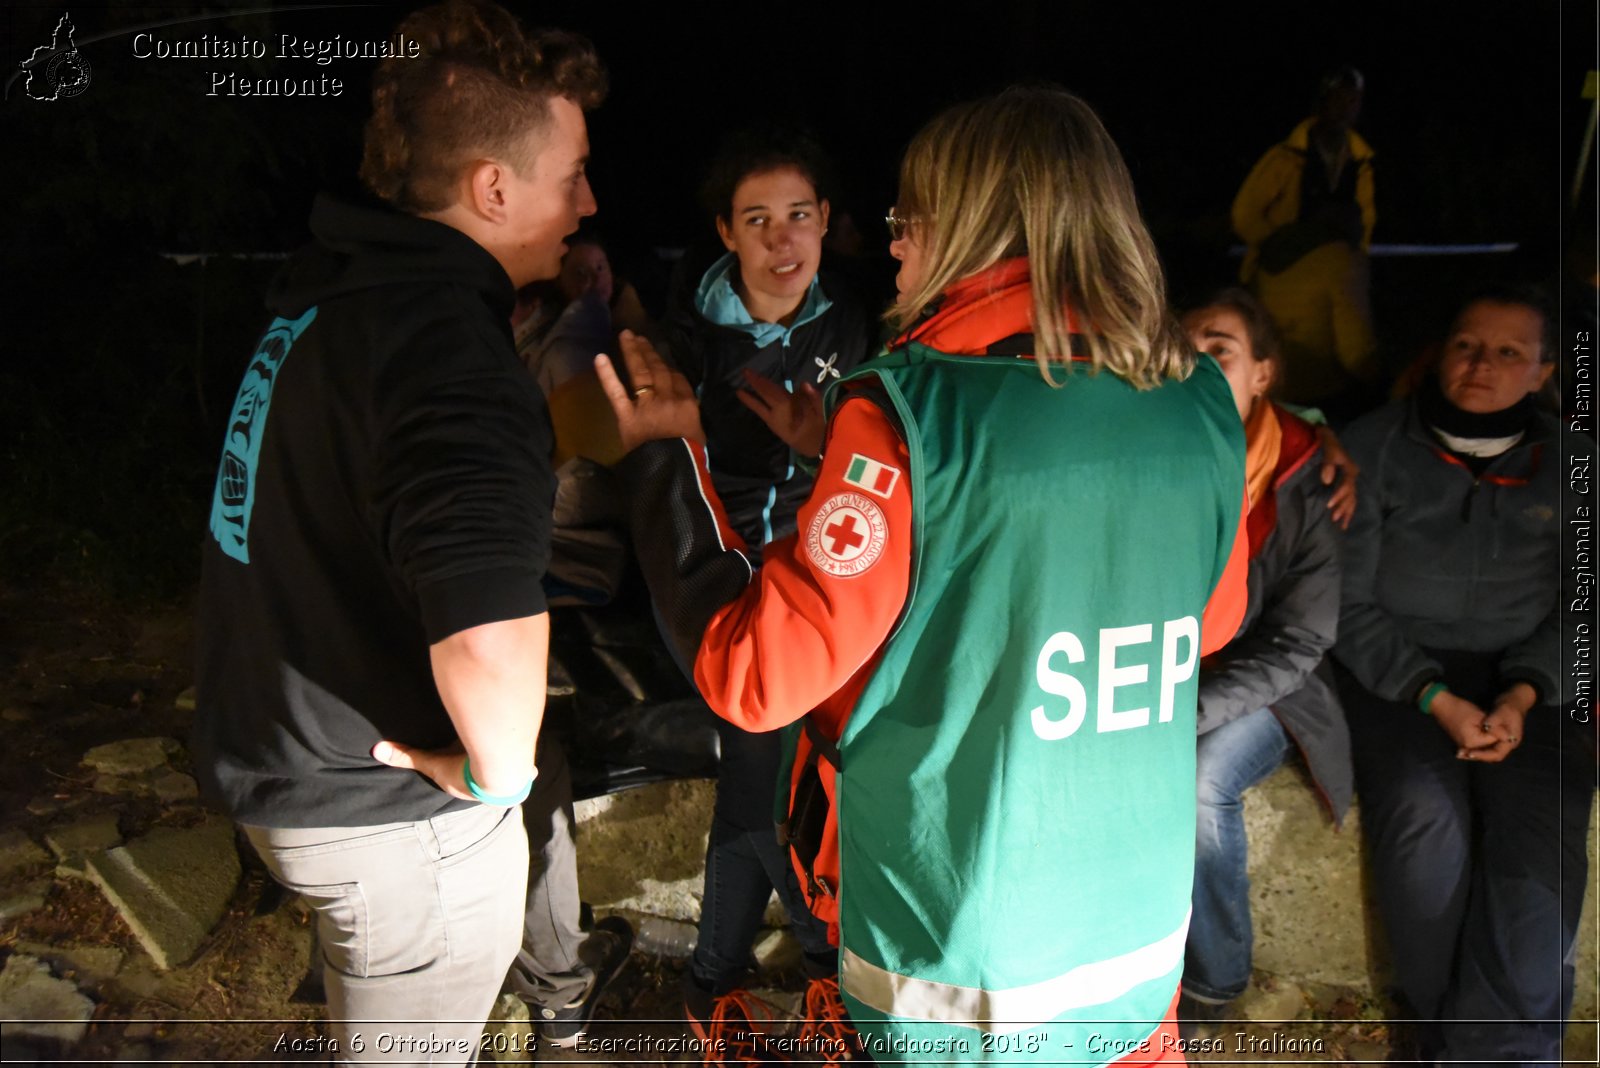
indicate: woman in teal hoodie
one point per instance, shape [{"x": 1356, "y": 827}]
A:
[{"x": 760, "y": 337}]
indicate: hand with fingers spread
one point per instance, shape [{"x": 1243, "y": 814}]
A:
[
  {"x": 1337, "y": 463},
  {"x": 662, "y": 404},
  {"x": 796, "y": 418}
]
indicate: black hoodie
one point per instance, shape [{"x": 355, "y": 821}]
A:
[{"x": 385, "y": 483}]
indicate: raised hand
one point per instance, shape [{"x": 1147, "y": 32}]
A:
[
  {"x": 796, "y": 418},
  {"x": 662, "y": 404}
]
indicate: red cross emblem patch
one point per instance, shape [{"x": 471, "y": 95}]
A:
[{"x": 847, "y": 535}]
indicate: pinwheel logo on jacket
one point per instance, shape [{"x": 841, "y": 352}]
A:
[{"x": 827, "y": 366}]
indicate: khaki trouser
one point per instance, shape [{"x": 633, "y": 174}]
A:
[
  {"x": 557, "y": 960},
  {"x": 418, "y": 923}
]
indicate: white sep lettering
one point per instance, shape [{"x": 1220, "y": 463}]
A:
[
  {"x": 1172, "y": 672},
  {"x": 1062, "y": 685},
  {"x": 1178, "y": 637},
  {"x": 1106, "y": 716}
]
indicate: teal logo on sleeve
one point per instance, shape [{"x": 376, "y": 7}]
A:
[{"x": 235, "y": 495}]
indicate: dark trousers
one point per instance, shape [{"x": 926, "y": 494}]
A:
[
  {"x": 745, "y": 863},
  {"x": 1479, "y": 868}
]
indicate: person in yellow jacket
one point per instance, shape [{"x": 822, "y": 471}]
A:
[{"x": 1306, "y": 214}]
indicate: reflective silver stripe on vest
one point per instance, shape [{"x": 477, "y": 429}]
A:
[{"x": 1020, "y": 1007}]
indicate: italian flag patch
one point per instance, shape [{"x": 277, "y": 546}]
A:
[{"x": 872, "y": 476}]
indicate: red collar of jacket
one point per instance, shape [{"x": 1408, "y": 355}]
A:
[
  {"x": 974, "y": 313},
  {"x": 1300, "y": 445}
]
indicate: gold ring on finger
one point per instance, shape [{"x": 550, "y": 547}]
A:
[{"x": 642, "y": 391}]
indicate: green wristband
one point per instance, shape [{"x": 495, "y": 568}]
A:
[
  {"x": 1429, "y": 692},
  {"x": 502, "y": 800}
]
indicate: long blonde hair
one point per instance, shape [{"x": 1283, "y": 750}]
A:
[{"x": 1032, "y": 172}]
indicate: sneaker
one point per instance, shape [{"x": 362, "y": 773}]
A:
[
  {"x": 564, "y": 1026},
  {"x": 826, "y": 1034},
  {"x": 738, "y": 1031},
  {"x": 698, "y": 1005}
]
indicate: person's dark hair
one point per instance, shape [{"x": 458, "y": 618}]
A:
[
  {"x": 1520, "y": 294},
  {"x": 481, "y": 85},
  {"x": 1265, "y": 343},
  {"x": 757, "y": 150}
]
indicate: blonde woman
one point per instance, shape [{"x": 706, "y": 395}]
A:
[{"x": 1023, "y": 536}]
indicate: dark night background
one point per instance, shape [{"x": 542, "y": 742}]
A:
[{"x": 119, "y": 364}]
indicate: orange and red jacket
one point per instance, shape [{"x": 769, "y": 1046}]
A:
[{"x": 771, "y": 645}]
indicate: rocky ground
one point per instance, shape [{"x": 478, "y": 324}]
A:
[{"x": 132, "y": 929}]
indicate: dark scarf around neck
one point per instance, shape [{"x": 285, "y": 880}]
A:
[{"x": 1437, "y": 412}]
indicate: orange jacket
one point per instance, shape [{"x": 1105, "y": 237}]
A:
[{"x": 806, "y": 633}]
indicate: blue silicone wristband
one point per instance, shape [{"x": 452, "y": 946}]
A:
[{"x": 502, "y": 800}]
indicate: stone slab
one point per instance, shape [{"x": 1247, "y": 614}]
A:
[
  {"x": 81, "y": 837},
  {"x": 140, "y": 979},
  {"x": 171, "y": 787},
  {"x": 37, "y": 1004},
  {"x": 85, "y": 964},
  {"x": 52, "y": 804},
  {"x": 1581, "y": 1044},
  {"x": 508, "y": 1035},
  {"x": 1364, "y": 1050},
  {"x": 1281, "y": 1003},
  {"x": 776, "y": 951},
  {"x": 171, "y": 886},
  {"x": 592, "y": 807},
  {"x": 645, "y": 851},
  {"x": 1306, "y": 893},
  {"x": 18, "y": 851},
  {"x": 25, "y": 899},
  {"x": 75, "y": 867},
  {"x": 131, "y": 755}
]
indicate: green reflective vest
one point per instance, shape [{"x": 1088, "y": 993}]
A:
[{"x": 1017, "y": 786}]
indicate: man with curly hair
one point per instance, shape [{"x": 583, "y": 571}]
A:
[{"x": 373, "y": 629}]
